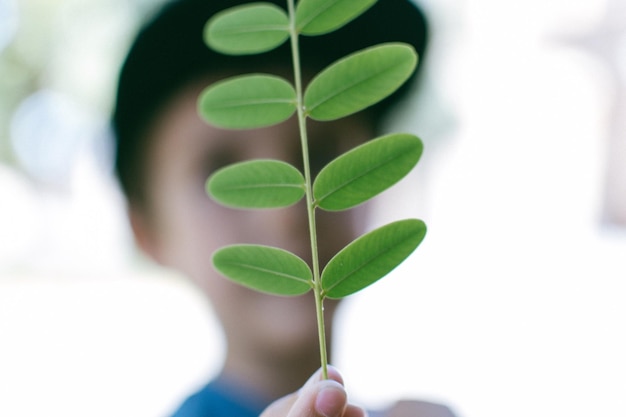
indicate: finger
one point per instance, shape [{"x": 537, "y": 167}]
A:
[
  {"x": 280, "y": 407},
  {"x": 333, "y": 374},
  {"x": 325, "y": 398},
  {"x": 330, "y": 399},
  {"x": 317, "y": 398},
  {"x": 354, "y": 411}
]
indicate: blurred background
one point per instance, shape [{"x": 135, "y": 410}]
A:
[{"x": 514, "y": 305}]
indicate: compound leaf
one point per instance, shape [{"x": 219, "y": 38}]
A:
[
  {"x": 264, "y": 268},
  {"x": 366, "y": 171},
  {"x": 371, "y": 257},
  {"x": 248, "y": 101},
  {"x": 359, "y": 80},
  {"x": 247, "y": 29},
  {"x": 257, "y": 184},
  {"x": 316, "y": 17}
]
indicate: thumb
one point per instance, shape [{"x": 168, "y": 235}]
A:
[{"x": 317, "y": 398}]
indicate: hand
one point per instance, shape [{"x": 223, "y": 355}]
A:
[{"x": 317, "y": 398}]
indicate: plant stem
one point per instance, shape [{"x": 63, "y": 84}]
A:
[{"x": 317, "y": 285}]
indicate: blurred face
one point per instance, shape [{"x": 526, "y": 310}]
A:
[{"x": 181, "y": 226}]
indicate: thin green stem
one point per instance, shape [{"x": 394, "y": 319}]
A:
[{"x": 317, "y": 285}]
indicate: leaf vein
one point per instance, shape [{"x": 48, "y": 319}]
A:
[
  {"x": 357, "y": 177},
  {"x": 350, "y": 86},
  {"x": 248, "y": 103},
  {"x": 323, "y": 8},
  {"x": 267, "y": 270},
  {"x": 257, "y": 186},
  {"x": 250, "y": 29},
  {"x": 363, "y": 265}
]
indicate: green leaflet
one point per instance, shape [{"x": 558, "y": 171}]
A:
[
  {"x": 264, "y": 268},
  {"x": 371, "y": 257},
  {"x": 247, "y": 102},
  {"x": 257, "y": 184},
  {"x": 366, "y": 171},
  {"x": 316, "y": 17},
  {"x": 247, "y": 29},
  {"x": 359, "y": 80}
]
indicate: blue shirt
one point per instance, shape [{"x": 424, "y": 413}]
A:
[{"x": 221, "y": 398}]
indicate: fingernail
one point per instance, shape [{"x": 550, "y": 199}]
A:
[{"x": 331, "y": 400}]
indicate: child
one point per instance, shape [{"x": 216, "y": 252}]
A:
[{"x": 165, "y": 153}]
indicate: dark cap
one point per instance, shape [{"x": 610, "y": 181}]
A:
[{"x": 169, "y": 53}]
